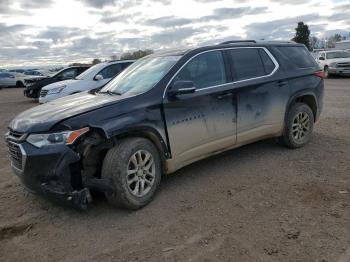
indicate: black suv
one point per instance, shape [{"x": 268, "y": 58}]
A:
[
  {"x": 163, "y": 112},
  {"x": 34, "y": 86}
]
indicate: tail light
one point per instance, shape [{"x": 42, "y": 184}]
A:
[{"x": 319, "y": 74}]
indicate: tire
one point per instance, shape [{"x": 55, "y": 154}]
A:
[
  {"x": 298, "y": 126},
  {"x": 326, "y": 73},
  {"x": 123, "y": 159},
  {"x": 19, "y": 84}
]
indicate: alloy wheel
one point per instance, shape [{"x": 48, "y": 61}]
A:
[
  {"x": 141, "y": 173},
  {"x": 301, "y": 126}
]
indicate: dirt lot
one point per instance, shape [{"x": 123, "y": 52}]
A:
[{"x": 261, "y": 202}]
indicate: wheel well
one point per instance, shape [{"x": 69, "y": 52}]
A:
[
  {"x": 310, "y": 101},
  {"x": 151, "y": 137}
]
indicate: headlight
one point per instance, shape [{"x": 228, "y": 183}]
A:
[
  {"x": 65, "y": 138},
  {"x": 333, "y": 64},
  {"x": 56, "y": 90}
]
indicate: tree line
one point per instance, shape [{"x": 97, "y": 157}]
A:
[{"x": 303, "y": 36}]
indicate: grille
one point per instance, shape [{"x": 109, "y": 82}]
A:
[
  {"x": 15, "y": 154},
  {"x": 347, "y": 65},
  {"x": 43, "y": 93},
  {"x": 14, "y": 134}
]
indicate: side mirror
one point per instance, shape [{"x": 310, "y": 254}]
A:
[
  {"x": 182, "y": 88},
  {"x": 98, "y": 77},
  {"x": 321, "y": 58}
]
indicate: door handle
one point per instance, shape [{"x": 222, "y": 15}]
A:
[
  {"x": 224, "y": 95},
  {"x": 282, "y": 83}
]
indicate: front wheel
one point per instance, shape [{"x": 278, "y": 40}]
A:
[
  {"x": 19, "y": 84},
  {"x": 299, "y": 126},
  {"x": 326, "y": 73},
  {"x": 134, "y": 168}
]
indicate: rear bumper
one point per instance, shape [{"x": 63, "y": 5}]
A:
[{"x": 48, "y": 172}]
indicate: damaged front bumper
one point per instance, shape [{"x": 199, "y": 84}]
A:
[{"x": 52, "y": 171}]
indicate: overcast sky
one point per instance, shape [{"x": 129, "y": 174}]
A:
[{"x": 36, "y": 32}]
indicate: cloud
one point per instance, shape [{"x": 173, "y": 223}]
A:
[
  {"x": 280, "y": 29},
  {"x": 231, "y": 13},
  {"x": 168, "y": 21},
  {"x": 99, "y": 4}
]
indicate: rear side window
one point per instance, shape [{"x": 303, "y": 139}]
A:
[
  {"x": 298, "y": 55},
  {"x": 268, "y": 64},
  {"x": 205, "y": 70},
  {"x": 111, "y": 71},
  {"x": 247, "y": 63}
]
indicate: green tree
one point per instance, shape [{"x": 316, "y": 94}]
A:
[{"x": 302, "y": 35}]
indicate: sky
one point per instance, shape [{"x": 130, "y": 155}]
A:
[{"x": 45, "y": 32}]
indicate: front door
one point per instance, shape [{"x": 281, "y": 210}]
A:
[{"x": 204, "y": 122}]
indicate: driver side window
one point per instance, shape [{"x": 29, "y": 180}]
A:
[{"x": 205, "y": 70}]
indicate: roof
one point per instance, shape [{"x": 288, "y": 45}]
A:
[{"x": 227, "y": 44}]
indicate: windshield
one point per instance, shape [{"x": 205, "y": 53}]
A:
[
  {"x": 91, "y": 72},
  {"x": 340, "y": 54},
  {"x": 142, "y": 75}
]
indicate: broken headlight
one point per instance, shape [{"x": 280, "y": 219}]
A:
[{"x": 65, "y": 137}]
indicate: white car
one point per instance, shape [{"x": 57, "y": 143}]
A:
[
  {"x": 334, "y": 62},
  {"x": 11, "y": 79},
  {"x": 95, "y": 77}
]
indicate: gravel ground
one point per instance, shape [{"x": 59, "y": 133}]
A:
[{"x": 261, "y": 202}]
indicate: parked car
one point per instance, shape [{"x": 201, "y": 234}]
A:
[
  {"x": 8, "y": 79},
  {"x": 335, "y": 62},
  {"x": 19, "y": 71},
  {"x": 164, "y": 112},
  {"x": 95, "y": 77},
  {"x": 34, "y": 86},
  {"x": 34, "y": 73}
]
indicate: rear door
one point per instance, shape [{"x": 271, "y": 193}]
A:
[
  {"x": 262, "y": 93},
  {"x": 204, "y": 122}
]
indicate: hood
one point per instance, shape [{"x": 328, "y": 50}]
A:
[
  {"x": 43, "y": 117},
  {"x": 339, "y": 60},
  {"x": 60, "y": 83}
]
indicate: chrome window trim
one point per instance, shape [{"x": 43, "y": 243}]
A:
[{"x": 233, "y": 82}]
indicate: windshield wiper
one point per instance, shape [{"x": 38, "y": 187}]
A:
[{"x": 110, "y": 93}]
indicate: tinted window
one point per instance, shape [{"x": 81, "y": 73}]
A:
[
  {"x": 298, "y": 55},
  {"x": 125, "y": 65},
  {"x": 205, "y": 70},
  {"x": 247, "y": 63},
  {"x": 267, "y": 62},
  {"x": 110, "y": 71}
]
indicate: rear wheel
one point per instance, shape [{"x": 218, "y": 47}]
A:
[
  {"x": 299, "y": 126},
  {"x": 134, "y": 168}
]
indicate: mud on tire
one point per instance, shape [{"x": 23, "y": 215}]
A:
[
  {"x": 298, "y": 126},
  {"x": 120, "y": 165}
]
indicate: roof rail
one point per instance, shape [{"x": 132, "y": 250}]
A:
[
  {"x": 281, "y": 42},
  {"x": 237, "y": 41}
]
